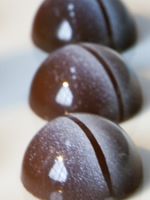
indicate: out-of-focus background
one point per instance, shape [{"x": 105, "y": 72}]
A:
[
  {"x": 19, "y": 60},
  {"x": 15, "y": 23}
]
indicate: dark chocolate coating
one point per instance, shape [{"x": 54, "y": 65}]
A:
[
  {"x": 106, "y": 22},
  {"x": 81, "y": 157},
  {"x": 85, "y": 78}
]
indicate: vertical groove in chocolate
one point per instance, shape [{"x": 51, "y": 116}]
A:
[
  {"x": 98, "y": 151},
  {"x": 114, "y": 83},
  {"x": 107, "y": 21}
]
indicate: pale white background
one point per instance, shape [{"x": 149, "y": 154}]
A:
[{"x": 18, "y": 62}]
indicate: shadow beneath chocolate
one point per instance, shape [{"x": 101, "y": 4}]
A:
[
  {"x": 140, "y": 64},
  {"x": 145, "y": 85},
  {"x": 143, "y": 27},
  {"x": 145, "y": 155},
  {"x": 138, "y": 57}
]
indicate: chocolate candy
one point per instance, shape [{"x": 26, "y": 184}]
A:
[
  {"x": 81, "y": 157},
  {"x": 107, "y": 22},
  {"x": 85, "y": 78}
]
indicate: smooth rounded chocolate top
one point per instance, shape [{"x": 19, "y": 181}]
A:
[
  {"x": 107, "y": 22},
  {"x": 81, "y": 157},
  {"x": 85, "y": 78}
]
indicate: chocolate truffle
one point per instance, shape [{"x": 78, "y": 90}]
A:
[
  {"x": 107, "y": 22},
  {"x": 85, "y": 78},
  {"x": 81, "y": 157}
]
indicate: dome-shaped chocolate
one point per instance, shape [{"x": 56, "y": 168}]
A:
[
  {"x": 85, "y": 78},
  {"x": 107, "y": 22},
  {"x": 81, "y": 157}
]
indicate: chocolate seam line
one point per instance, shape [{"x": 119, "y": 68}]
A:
[
  {"x": 98, "y": 151},
  {"x": 107, "y": 21},
  {"x": 111, "y": 76}
]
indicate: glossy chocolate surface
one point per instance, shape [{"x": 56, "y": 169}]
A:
[
  {"x": 85, "y": 78},
  {"x": 106, "y": 22},
  {"x": 81, "y": 157}
]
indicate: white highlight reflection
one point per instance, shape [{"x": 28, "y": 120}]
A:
[
  {"x": 71, "y": 9},
  {"x": 58, "y": 172},
  {"x": 71, "y": 6},
  {"x": 64, "y": 96},
  {"x": 65, "y": 31}
]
